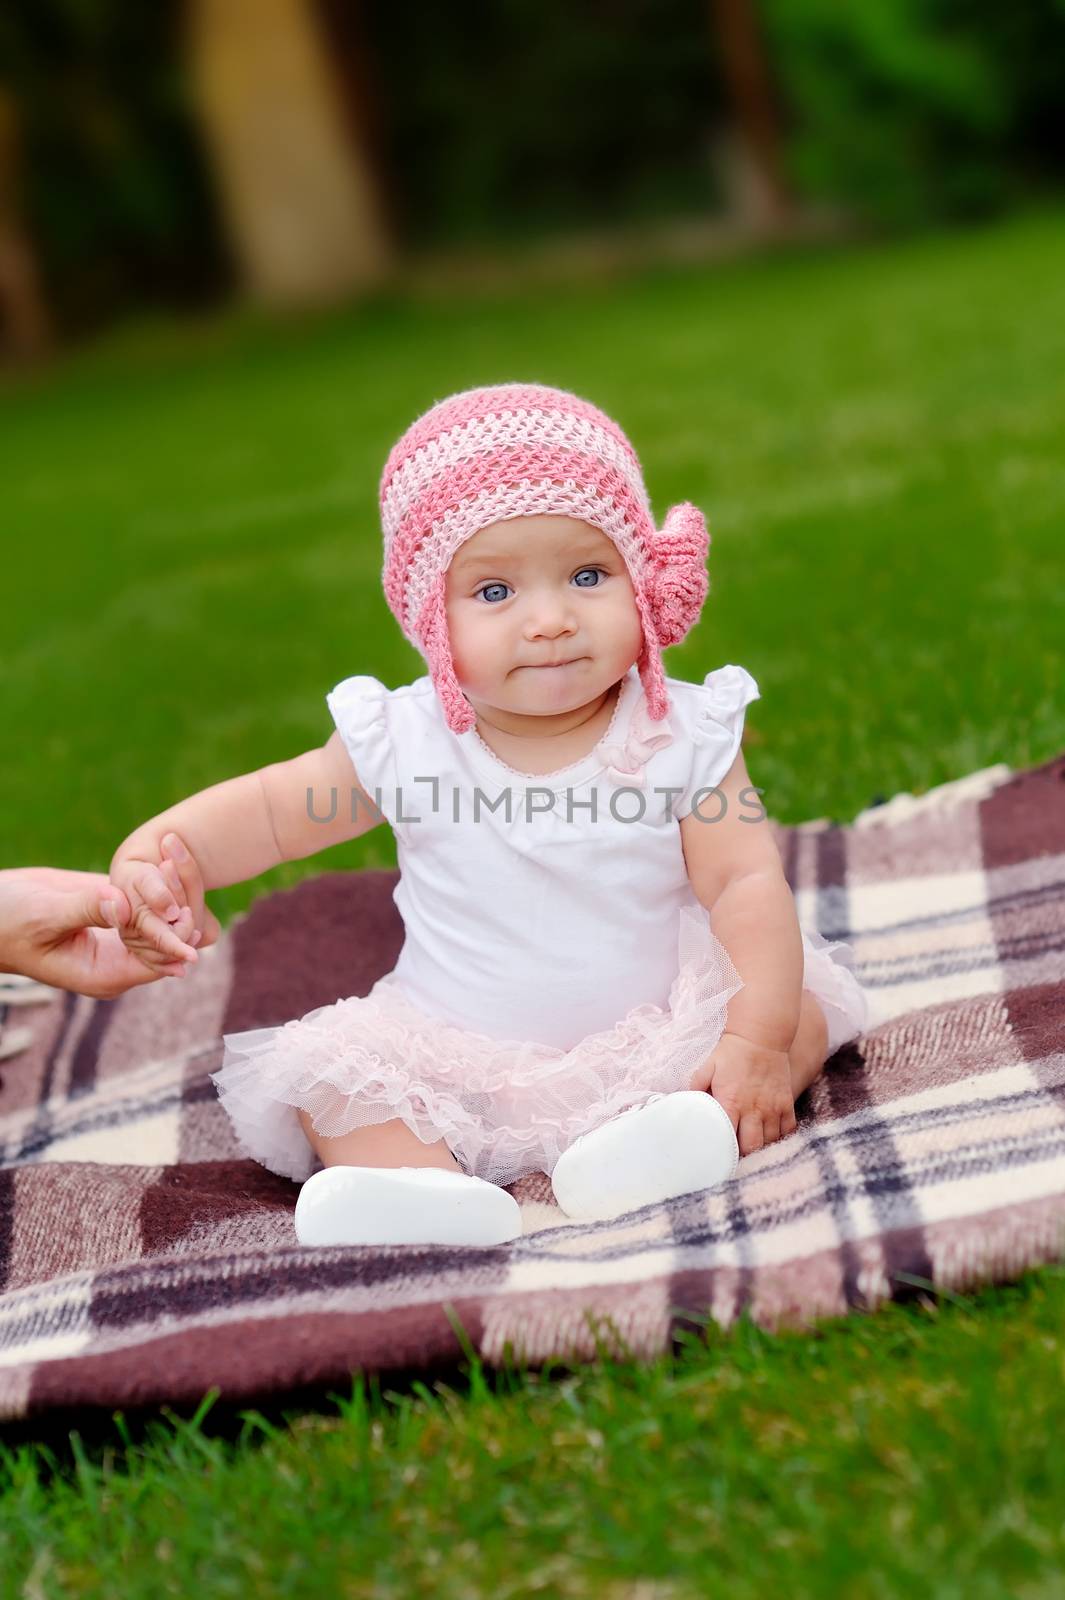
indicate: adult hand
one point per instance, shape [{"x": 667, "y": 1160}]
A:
[{"x": 54, "y": 928}]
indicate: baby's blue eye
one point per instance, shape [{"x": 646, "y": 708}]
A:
[{"x": 483, "y": 592}]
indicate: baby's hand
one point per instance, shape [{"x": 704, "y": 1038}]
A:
[
  {"x": 161, "y": 930},
  {"x": 178, "y": 864},
  {"x": 754, "y": 1086}
]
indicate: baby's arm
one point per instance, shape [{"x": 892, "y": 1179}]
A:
[
  {"x": 237, "y": 829},
  {"x": 735, "y": 870}
]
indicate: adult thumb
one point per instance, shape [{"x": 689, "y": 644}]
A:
[{"x": 105, "y": 907}]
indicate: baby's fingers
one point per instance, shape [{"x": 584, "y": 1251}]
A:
[
  {"x": 750, "y": 1133},
  {"x": 172, "y": 878},
  {"x": 187, "y": 869},
  {"x": 152, "y": 888},
  {"x": 770, "y": 1127},
  {"x": 159, "y": 934},
  {"x": 184, "y": 926},
  {"x": 185, "y": 921}
]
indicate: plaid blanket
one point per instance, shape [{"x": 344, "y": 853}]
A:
[{"x": 143, "y": 1259}]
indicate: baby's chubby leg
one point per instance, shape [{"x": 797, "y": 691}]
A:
[
  {"x": 383, "y": 1144},
  {"x": 809, "y": 1046}
]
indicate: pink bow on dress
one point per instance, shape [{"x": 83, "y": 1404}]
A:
[{"x": 644, "y": 738}]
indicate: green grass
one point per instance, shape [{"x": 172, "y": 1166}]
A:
[
  {"x": 192, "y": 558},
  {"x": 911, "y": 1453}
]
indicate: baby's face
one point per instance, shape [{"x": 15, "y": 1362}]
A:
[{"x": 532, "y": 591}]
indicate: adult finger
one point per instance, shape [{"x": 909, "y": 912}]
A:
[
  {"x": 141, "y": 948},
  {"x": 116, "y": 908},
  {"x": 155, "y": 958},
  {"x": 86, "y": 906}
]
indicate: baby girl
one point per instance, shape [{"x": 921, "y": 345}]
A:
[{"x": 569, "y": 823}]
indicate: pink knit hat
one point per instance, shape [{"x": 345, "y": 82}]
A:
[{"x": 521, "y": 449}]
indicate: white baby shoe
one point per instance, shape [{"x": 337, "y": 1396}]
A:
[
  {"x": 403, "y": 1205},
  {"x": 672, "y": 1144}
]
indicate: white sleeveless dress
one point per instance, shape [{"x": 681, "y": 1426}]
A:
[{"x": 557, "y": 966}]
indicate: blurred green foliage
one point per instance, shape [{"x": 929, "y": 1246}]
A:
[
  {"x": 505, "y": 118},
  {"x": 525, "y": 115},
  {"x": 908, "y": 111},
  {"x": 114, "y": 185}
]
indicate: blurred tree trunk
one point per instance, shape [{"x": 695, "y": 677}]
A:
[
  {"x": 756, "y": 177},
  {"x": 25, "y": 330},
  {"x": 298, "y": 191}
]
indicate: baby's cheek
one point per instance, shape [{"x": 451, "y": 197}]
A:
[
  {"x": 457, "y": 636},
  {"x": 470, "y": 651}
]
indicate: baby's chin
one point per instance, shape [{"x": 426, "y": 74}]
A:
[{"x": 536, "y": 701}]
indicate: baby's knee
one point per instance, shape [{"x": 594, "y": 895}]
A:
[
  {"x": 377, "y": 1144},
  {"x": 818, "y": 1026}
]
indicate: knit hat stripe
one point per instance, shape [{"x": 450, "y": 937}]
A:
[
  {"x": 420, "y": 470},
  {"x": 493, "y": 401},
  {"x": 510, "y": 483}
]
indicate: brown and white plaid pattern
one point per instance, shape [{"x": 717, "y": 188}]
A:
[{"x": 144, "y": 1260}]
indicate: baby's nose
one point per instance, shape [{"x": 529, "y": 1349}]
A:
[{"x": 550, "y": 614}]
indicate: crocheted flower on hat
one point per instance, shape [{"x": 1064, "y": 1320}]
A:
[{"x": 678, "y": 580}]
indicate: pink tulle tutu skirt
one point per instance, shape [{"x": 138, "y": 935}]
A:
[{"x": 505, "y": 1107}]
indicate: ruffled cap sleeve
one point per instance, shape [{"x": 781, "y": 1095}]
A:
[
  {"x": 359, "y": 708},
  {"x": 716, "y": 729}
]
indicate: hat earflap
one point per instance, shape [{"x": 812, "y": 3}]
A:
[{"x": 431, "y": 629}]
